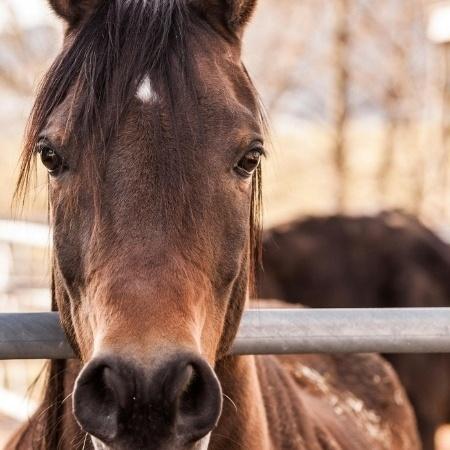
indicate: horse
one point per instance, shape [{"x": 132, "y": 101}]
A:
[
  {"x": 152, "y": 135},
  {"x": 382, "y": 261}
]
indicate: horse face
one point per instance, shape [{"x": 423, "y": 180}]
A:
[{"x": 152, "y": 170}]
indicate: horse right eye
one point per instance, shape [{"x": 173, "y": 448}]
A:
[
  {"x": 249, "y": 162},
  {"x": 50, "y": 158}
]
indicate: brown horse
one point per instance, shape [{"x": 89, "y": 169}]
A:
[
  {"x": 151, "y": 132},
  {"x": 389, "y": 260}
]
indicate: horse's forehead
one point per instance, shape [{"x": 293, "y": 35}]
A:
[{"x": 225, "y": 98}]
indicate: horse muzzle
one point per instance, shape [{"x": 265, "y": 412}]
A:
[{"x": 123, "y": 405}]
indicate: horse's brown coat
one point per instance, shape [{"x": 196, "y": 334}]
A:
[
  {"x": 154, "y": 227},
  {"x": 384, "y": 261}
]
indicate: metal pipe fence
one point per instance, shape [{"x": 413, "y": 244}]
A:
[{"x": 269, "y": 331}]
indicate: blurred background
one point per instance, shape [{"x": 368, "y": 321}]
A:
[{"x": 358, "y": 95}]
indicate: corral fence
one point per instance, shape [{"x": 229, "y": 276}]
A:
[
  {"x": 24, "y": 286},
  {"x": 22, "y": 246},
  {"x": 269, "y": 331}
]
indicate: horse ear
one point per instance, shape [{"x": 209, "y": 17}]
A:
[
  {"x": 73, "y": 11},
  {"x": 234, "y": 14},
  {"x": 239, "y": 12}
]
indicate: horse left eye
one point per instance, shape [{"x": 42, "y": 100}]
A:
[
  {"x": 50, "y": 159},
  {"x": 249, "y": 162}
]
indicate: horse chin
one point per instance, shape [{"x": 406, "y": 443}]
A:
[{"x": 202, "y": 444}]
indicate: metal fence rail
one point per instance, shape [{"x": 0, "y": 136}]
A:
[
  {"x": 269, "y": 331},
  {"x": 25, "y": 233}
]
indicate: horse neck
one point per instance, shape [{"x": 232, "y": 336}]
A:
[{"x": 243, "y": 423}]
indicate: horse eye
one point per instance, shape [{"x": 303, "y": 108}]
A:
[
  {"x": 249, "y": 162},
  {"x": 51, "y": 160}
]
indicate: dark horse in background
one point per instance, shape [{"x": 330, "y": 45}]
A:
[
  {"x": 152, "y": 136},
  {"x": 390, "y": 260}
]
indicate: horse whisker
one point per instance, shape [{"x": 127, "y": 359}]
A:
[{"x": 231, "y": 401}]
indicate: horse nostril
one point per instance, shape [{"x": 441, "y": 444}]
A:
[
  {"x": 123, "y": 404},
  {"x": 200, "y": 403},
  {"x": 98, "y": 398},
  {"x": 189, "y": 400}
]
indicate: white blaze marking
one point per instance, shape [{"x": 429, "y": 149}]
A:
[{"x": 145, "y": 92}]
